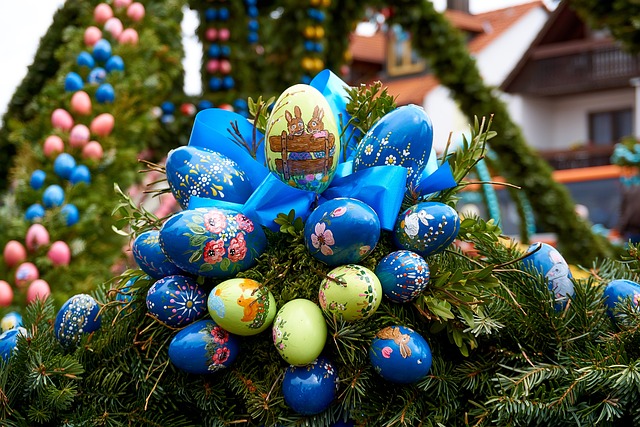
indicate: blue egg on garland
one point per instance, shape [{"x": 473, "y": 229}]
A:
[
  {"x": 618, "y": 292},
  {"x": 115, "y": 63},
  {"x": 342, "y": 231},
  {"x": 97, "y": 76},
  {"x": 213, "y": 51},
  {"x": 11, "y": 320},
  {"x": 176, "y": 301},
  {"x": 225, "y": 51},
  {"x": 208, "y": 174},
  {"x": 204, "y": 105},
  {"x": 105, "y": 93},
  {"x": 252, "y": 12},
  {"x": 403, "y": 275},
  {"x": 102, "y": 50},
  {"x": 37, "y": 179},
  {"x": 427, "y": 228},
  {"x": 34, "y": 212},
  {"x": 70, "y": 214},
  {"x": 212, "y": 242},
  {"x": 215, "y": 84},
  {"x": 223, "y": 14},
  {"x": 310, "y": 389},
  {"x": 203, "y": 348},
  {"x": 149, "y": 256},
  {"x": 79, "y": 315},
  {"x": 253, "y": 25},
  {"x": 85, "y": 59},
  {"x": 63, "y": 165},
  {"x": 168, "y": 107},
  {"x": 53, "y": 196},
  {"x": 547, "y": 261},
  {"x": 73, "y": 82},
  {"x": 210, "y": 14},
  {"x": 80, "y": 174},
  {"x": 400, "y": 355},
  {"x": 9, "y": 341},
  {"x": 228, "y": 82}
]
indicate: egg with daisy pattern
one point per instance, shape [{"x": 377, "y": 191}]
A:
[{"x": 176, "y": 300}]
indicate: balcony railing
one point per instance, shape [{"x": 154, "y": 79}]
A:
[{"x": 583, "y": 157}]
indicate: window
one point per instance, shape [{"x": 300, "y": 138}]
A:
[
  {"x": 609, "y": 127},
  {"x": 402, "y": 59}
]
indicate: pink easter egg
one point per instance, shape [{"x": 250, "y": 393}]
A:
[
  {"x": 92, "y": 35},
  {"x": 36, "y": 237},
  {"x": 121, "y": 3},
  {"x": 113, "y": 26},
  {"x": 59, "y": 253},
  {"x": 26, "y": 273},
  {"x": 211, "y": 34},
  {"x": 79, "y": 136},
  {"x": 61, "y": 119},
  {"x": 225, "y": 66},
  {"x": 135, "y": 11},
  {"x": 81, "y": 103},
  {"x": 102, "y": 125},
  {"x": 14, "y": 253},
  {"x": 6, "y": 294},
  {"x": 102, "y": 13},
  {"x": 212, "y": 66},
  {"x": 129, "y": 36},
  {"x": 93, "y": 151},
  {"x": 223, "y": 34},
  {"x": 53, "y": 145},
  {"x": 38, "y": 289}
]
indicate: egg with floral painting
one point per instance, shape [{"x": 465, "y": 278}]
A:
[
  {"x": 400, "y": 355},
  {"x": 342, "y": 231},
  {"x": 310, "y": 389},
  {"x": 79, "y": 315},
  {"x": 195, "y": 171},
  {"x": 203, "y": 348},
  {"x": 212, "y": 242},
  {"x": 427, "y": 228},
  {"x": 242, "y": 306},
  {"x": 403, "y": 275},
  {"x": 176, "y": 300},
  {"x": 149, "y": 256},
  {"x": 350, "y": 292}
]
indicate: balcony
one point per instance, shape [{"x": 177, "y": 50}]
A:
[{"x": 582, "y": 157}]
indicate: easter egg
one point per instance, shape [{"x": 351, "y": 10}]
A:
[
  {"x": 403, "y": 275},
  {"x": 129, "y": 36},
  {"x": 212, "y": 242},
  {"x": 105, "y": 94},
  {"x": 208, "y": 174},
  {"x": 121, "y": 3},
  {"x": 26, "y": 273},
  {"x": 203, "y": 348},
  {"x": 14, "y": 253},
  {"x": 101, "y": 50},
  {"x": 53, "y": 196},
  {"x": 302, "y": 144},
  {"x": 73, "y": 82},
  {"x": 61, "y": 119},
  {"x": 6, "y": 294},
  {"x": 81, "y": 103},
  {"x": 242, "y": 306},
  {"x": 78, "y": 315},
  {"x": 34, "y": 212},
  {"x": 10, "y": 321},
  {"x": 63, "y": 165},
  {"x": 91, "y": 36},
  {"x": 38, "y": 289},
  {"x": 102, "y": 13},
  {"x": 149, "y": 256},
  {"x": 113, "y": 26},
  {"x": 102, "y": 125},
  {"x": 547, "y": 261},
  {"x": 400, "y": 355},
  {"x": 97, "y": 75},
  {"x": 79, "y": 136},
  {"x": 427, "y": 228},
  {"x": 310, "y": 389},
  {"x": 84, "y": 59},
  {"x": 115, "y": 63},
  {"x": 176, "y": 300},
  {"x": 59, "y": 253},
  {"x": 342, "y": 231},
  {"x": 36, "y": 237},
  {"x": 135, "y": 11},
  {"x": 53, "y": 145},
  {"x": 70, "y": 214},
  {"x": 299, "y": 331},
  {"x": 93, "y": 150},
  {"x": 351, "y": 292},
  {"x": 37, "y": 179},
  {"x": 80, "y": 174},
  {"x": 9, "y": 341},
  {"x": 620, "y": 291}
]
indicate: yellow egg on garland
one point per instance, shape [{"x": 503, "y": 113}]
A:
[
  {"x": 351, "y": 292},
  {"x": 309, "y": 32},
  {"x": 299, "y": 332}
]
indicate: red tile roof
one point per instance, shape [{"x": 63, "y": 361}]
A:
[
  {"x": 411, "y": 90},
  {"x": 369, "y": 48}
]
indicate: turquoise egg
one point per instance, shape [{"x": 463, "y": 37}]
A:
[
  {"x": 9, "y": 341},
  {"x": 547, "y": 261},
  {"x": 619, "y": 290},
  {"x": 78, "y": 315},
  {"x": 204, "y": 173},
  {"x": 212, "y": 242},
  {"x": 403, "y": 275},
  {"x": 427, "y": 228},
  {"x": 149, "y": 256},
  {"x": 400, "y": 355},
  {"x": 176, "y": 300}
]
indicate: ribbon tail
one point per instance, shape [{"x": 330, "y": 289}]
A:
[{"x": 440, "y": 179}]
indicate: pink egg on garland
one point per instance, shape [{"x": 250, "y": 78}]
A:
[
  {"x": 136, "y": 11},
  {"x": 14, "y": 253},
  {"x": 121, "y": 3},
  {"x": 59, "y": 253},
  {"x": 102, "y": 125},
  {"x": 53, "y": 146},
  {"x": 225, "y": 66},
  {"x": 81, "y": 103},
  {"x": 6, "y": 294},
  {"x": 129, "y": 36},
  {"x": 79, "y": 136},
  {"x": 211, "y": 34},
  {"x": 61, "y": 119},
  {"x": 37, "y": 236},
  {"x": 93, "y": 151},
  {"x": 92, "y": 35},
  {"x": 26, "y": 273},
  {"x": 212, "y": 66},
  {"x": 224, "y": 34},
  {"x": 102, "y": 13},
  {"x": 38, "y": 289},
  {"x": 114, "y": 26}
]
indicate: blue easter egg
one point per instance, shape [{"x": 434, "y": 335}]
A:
[
  {"x": 252, "y": 38},
  {"x": 619, "y": 290},
  {"x": 400, "y": 355},
  {"x": 10, "y": 321},
  {"x": 228, "y": 82},
  {"x": 102, "y": 50},
  {"x": 403, "y": 137},
  {"x": 9, "y": 341},
  {"x": 427, "y": 228},
  {"x": 34, "y": 212},
  {"x": 204, "y": 105},
  {"x": 80, "y": 173},
  {"x": 97, "y": 75},
  {"x": 78, "y": 315},
  {"x": 53, "y": 196},
  {"x": 215, "y": 83},
  {"x": 168, "y": 107},
  {"x": 225, "y": 51},
  {"x": 115, "y": 63},
  {"x": 210, "y": 14},
  {"x": 403, "y": 275},
  {"x": 73, "y": 82},
  {"x": 176, "y": 300},
  {"x": 310, "y": 389},
  {"x": 203, "y": 348},
  {"x": 85, "y": 59},
  {"x": 63, "y": 165},
  {"x": 342, "y": 231},
  {"x": 223, "y": 14},
  {"x": 208, "y": 174},
  {"x": 253, "y": 25},
  {"x": 70, "y": 214},
  {"x": 213, "y": 51},
  {"x": 105, "y": 93},
  {"x": 149, "y": 256},
  {"x": 212, "y": 242},
  {"x": 37, "y": 179},
  {"x": 547, "y": 261}
]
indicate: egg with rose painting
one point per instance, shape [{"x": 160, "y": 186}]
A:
[
  {"x": 176, "y": 300},
  {"x": 149, "y": 256},
  {"x": 194, "y": 171},
  {"x": 242, "y": 306},
  {"x": 427, "y": 228},
  {"x": 342, "y": 231},
  {"x": 212, "y": 242},
  {"x": 403, "y": 275},
  {"x": 351, "y": 292},
  {"x": 78, "y": 316},
  {"x": 302, "y": 139}
]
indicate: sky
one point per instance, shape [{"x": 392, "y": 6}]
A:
[{"x": 24, "y": 22}]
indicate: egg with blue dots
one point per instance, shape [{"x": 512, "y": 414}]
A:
[
  {"x": 403, "y": 275},
  {"x": 78, "y": 316},
  {"x": 148, "y": 254},
  {"x": 427, "y": 228},
  {"x": 176, "y": 300},
  {"x": 342, "y": 231},
  {"x": 620, "y": 292},
  {"x": 400, "y": 355},
  {"x": 310, "y": 389},
  {"x": 547, "y": 261}
]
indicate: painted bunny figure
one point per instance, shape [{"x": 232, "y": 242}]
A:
[
  {"x": 559, "y": 275},
  {"x": 315, "y": 126},
  {"x": 295, "y": 124}
]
